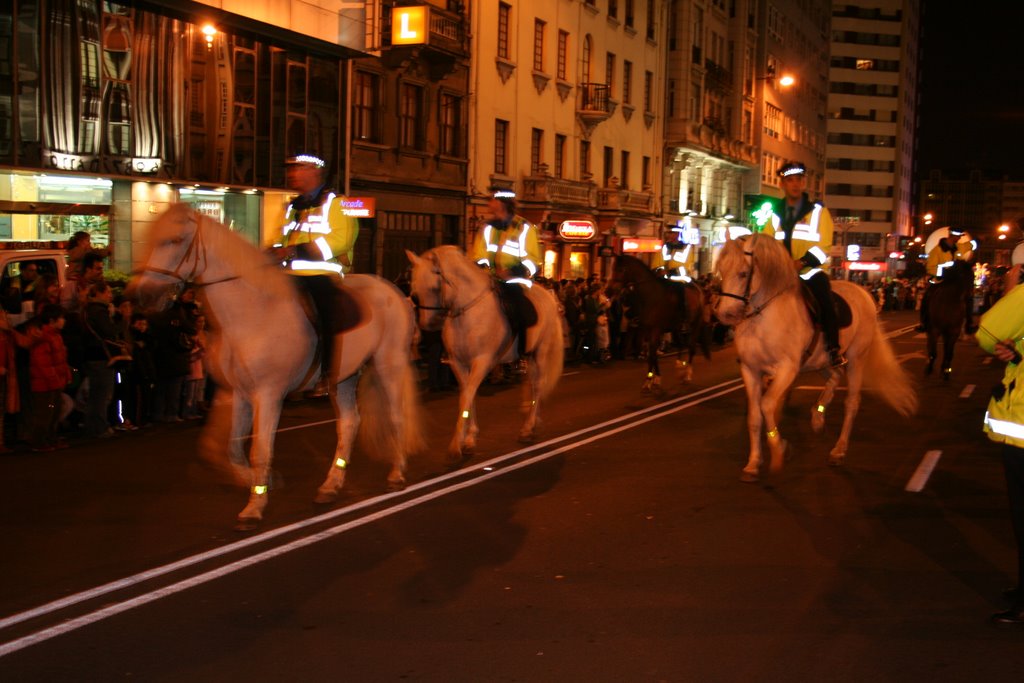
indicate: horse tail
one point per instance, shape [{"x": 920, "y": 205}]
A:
[
  {"x": 550, "y": 352},
  {"x": 380, "y": 433},
  {"x": 884, "y": 376}
]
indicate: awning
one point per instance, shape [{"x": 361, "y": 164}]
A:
[{"x": 54, "y": 208}]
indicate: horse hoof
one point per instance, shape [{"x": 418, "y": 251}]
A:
[
  {"x": 526, "y": 438},
  {"x": 749, "y": 477},
  {"x": 946, "y": 373},
  {"x": 325, "y": 497},
  {"x": 247, "y": 524},
  {"x": 396, "y": 485}
]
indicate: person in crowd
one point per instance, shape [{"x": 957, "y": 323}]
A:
[
  {"x": 27, "y": 281},
  {"x": 139, "y": 405},
  {"x": 1001, "y": 333},
  {"x": 195, "y": 381},
  {"x": 49, "y": 374},
  {"x": 317, "y": 244},
  {"x": 121, "y": 411},
  {"x": 573, "y": 317},
  {"x": 101, "y": 346},
  {"x": 173, "y": 332},
  {"x": 805, "y": 228},
  {"x": 46, "y": 291},
  {"x": 10, "y": 394},
  {"x": 79, "y": 246},
  {"x": 508, "y": 246}
]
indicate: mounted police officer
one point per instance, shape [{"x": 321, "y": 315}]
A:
[
  {"x": 316, "y": 245},
  {"x": 805, "y": 228},
  {"x": 507, "y": 245},
  {"x": 677, "y": 258},
  {"x": 952, "y": 247}
]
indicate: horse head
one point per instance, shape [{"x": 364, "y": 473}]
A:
[
  {"x": 426, "y": 283},
  {"x": 172, "y": 260},
  {"x": 626, "y": 270},
  {"x": 751, "y": 270}
]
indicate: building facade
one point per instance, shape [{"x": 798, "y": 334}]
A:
[
  {"x": 872, "y": 116},
  {"x": 565, "y": 111}
]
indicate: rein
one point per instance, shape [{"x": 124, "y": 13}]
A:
[{"x": 745, "y": 297}]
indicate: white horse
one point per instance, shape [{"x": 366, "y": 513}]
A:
[
  {"x": 775, "y": 340},
  {"x": 263, "y": 347},
  {"x": 454, "y": 294}
]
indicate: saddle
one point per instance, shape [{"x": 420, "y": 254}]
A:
[
  {"x": 347, "y": 313},
  {"x": 844, "y": 316},
  {"x": 516, "y": 305}
]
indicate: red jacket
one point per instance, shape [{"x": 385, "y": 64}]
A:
[
  {"x": 48, "y": 368},
  {"x": 11, "y": 376}
]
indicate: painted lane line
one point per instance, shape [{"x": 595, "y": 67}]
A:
[
  {"x": 968, "y": 390},
  {"x": 116, "y": 608},
  {"x": 265, "y": 536},
  {"x": 923, "y": 471}
]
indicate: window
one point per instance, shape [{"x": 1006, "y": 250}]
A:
[
  {"x": 648, "y": 91},
  {"x": 609, "y": 164},
  {"x": 536, "y": 150},
  {"x": 500, "y": 146},
  {"x": 585, "y": 172},
  {"x": 645, "y": 173},
  {"x": 650, "y": 19},
  {"x": 451, "y": 120},
  {"x": 411, "y": 117},
  {"x": 559, "y": 170},
  {"x": 613, "y": 9},
  {"x": 366, "y": 107},
  {"x": 504, "y": 14},
  {"x": 624, "y": 170},
  {"x": 538, "y": 45},
  {"x": 629, "y": 14},
  {"x": 563, "y": 55},
  {"x": 609, "y": 72},
  {"x": 627, "y": 82},
  {"x": 865, "y": 64}
]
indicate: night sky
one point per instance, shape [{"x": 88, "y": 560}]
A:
[{"x": 972, "y": 106}]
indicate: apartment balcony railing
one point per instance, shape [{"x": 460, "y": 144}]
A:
[
  {"x": 593, "y": 104},
  {"x": 558, "y": 191},
  {"x": 626, "y": 201}
]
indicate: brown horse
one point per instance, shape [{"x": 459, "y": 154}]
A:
[
  {"x": 946, "y": 312},
  {"x": 665, "y": 306}
]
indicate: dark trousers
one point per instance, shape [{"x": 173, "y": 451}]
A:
[
  {"x": 322, "y": 291},
  {"x": 821, "y": 288},
  {"x": 1013, "y": 469},
  {"x": 519, "y": 312},
  {"x": 44, "y": 407}
]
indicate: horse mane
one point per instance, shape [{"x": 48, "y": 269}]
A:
[
  {"x": 771, "y": 260},
  {"x": 454, "y": 260},
  {"x": 624, "y": 261},
  {"x": 243, "y": 258}
]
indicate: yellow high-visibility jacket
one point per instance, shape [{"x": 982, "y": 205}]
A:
[
  {"x": 514, "y": 248},
  {"x": 324, "y": 235},
  {"x": 1004, "y": 419},
  {"x": 811, "y": 235}
]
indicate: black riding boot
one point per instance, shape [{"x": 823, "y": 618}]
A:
[
  {"x": 322, "y": 291},
  {"x": 822, "y": 290}
]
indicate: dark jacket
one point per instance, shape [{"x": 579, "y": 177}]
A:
[{"x": 100, "y": 339}]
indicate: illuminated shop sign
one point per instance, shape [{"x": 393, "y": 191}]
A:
[
  {"x": 577, "y": 230},
  {"x": 408, "y": 25},
  {"x": 632, "y": 245},
  {"x": 147, "y": 164},
  {"x": 359, "y": 207},
  {"x": 864, "y": 265}
]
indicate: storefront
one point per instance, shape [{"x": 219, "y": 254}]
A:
[
  {"x": 572, "y": 251},
  {"x": 41, "y": 207}
]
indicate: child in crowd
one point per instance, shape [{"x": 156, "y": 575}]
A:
[
  {"x": 49, "y": 373},
  {"x": 195, "y": 381}
]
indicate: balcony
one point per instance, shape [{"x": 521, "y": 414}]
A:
[
  {"x": 443, "y": 45},
  {"x": 717, "y": 77},
  {"x": 626, "y": 202},
  {"x": 593, "y": 105},
  {"x": 558, "y": 192}
]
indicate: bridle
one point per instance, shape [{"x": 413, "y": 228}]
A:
[
  {"x": 745, "y": 297},
  {"x": 195, "y": 255},
  {"x": 450, "y": 309}
]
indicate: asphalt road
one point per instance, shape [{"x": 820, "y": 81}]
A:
[{"x": 623, "y": 549}]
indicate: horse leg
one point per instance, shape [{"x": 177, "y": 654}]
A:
[
  {"x": 653, "y": 382},
  {"x": 771, "y": 407},
  {"x": 754, "y": 387},
  {"x": 824, "y": 400},
  {"x": 854, "y": 380},
  {"x": 392, "y": 377},
  {"x": 933, "y": 343},
  {"x": 221, "y": 443},
  {"x": 684, "y": 368},
  {"x": 464, "y": 440},
  {"x": 948, "y": 346},
  {"x": 266, "y": 412},
  {"x": 531, "y": 402},
  {"x": 346, "y": 416}
]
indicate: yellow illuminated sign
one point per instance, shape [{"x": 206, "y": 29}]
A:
[{"x": 408, "y": 25}]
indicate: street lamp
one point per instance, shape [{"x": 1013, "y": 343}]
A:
[{"x": 784, "y": 80}]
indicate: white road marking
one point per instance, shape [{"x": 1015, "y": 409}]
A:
[
  {"x": 623, "y": 423},
  {"x": 968, "y": 390},
  {"x": 923, "y": 471}
]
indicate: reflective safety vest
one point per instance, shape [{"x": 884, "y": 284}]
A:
[
  {"x": 812, "y": 236},
  {"x": 678, "y": 261},
  {"x": 1004, "y": 419},
  {"x": 939, "y": 259},
  {"x": 329, "y": 232},
  {"x": 515, "y": 245}
]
